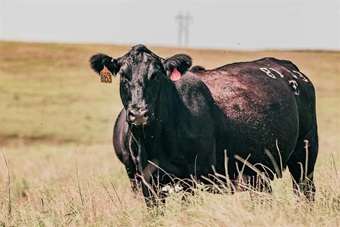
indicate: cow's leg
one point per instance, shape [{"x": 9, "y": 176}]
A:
[
  {"x": 150, "y": 184},
  {"x": 301, "y": 165},
  {"x": 253, "y": 182},
  {"x": 133, "y": 180},
  {"x": 260, "y": 183},
  {"x": 153, "y": 195},
  {"x": 149, "y": 196},
  {"x": 131, "y": 170},
  {"x": 251, "y": 177}
]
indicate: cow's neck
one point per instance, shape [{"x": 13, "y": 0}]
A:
[
  {"x": 168, "y": 111},
  {"x": 170, "y": 106}
]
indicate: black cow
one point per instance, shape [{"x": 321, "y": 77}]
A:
[{"x": 177, "y": 123}]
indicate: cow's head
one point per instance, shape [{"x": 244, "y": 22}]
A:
[{"x": 141, "y": 75}]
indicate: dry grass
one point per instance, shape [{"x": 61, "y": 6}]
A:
[
  {"x": 55, "y": 133},
  {"x": 79, "y": 185}
]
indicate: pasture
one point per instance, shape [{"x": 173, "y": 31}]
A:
[{"x": 58, "y": 166}]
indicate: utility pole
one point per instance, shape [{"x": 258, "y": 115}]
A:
[
  {"x": 180, "y": 19},
  {"x": 183, "y": 28}
]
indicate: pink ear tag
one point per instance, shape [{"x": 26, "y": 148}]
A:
[{"x": 175, "y": 75}]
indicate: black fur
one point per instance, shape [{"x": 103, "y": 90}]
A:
[
  {"x": 197, "y": 68},
  {"x": 180, "y": 61}
]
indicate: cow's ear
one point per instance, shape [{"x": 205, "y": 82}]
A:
[
  {"x": 98, "y": 61},
  {"x": 177, "y": 65}
]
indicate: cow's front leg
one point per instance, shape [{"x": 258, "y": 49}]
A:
[{"x": 150, "y": 186}]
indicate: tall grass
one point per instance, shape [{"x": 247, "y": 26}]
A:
[
  {"x": 47, "y": 193},
  {"x": 59, "y": 167}
]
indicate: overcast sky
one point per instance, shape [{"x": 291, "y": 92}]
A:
[{"x": 247, "y": 25}]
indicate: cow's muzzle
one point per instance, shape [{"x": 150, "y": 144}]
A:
[{"x": 139, "y": 116}]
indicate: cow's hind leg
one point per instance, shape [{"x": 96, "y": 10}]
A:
[
  {"x": 258, "y": 186},
  {"x": 301, "y": 165},
  {"x": 261, "y": 183},
  {"x": 254, "y": 178}
]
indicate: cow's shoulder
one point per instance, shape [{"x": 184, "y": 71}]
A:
[
  {"x": 191, "y": 84},
  {"x": 194, "y": 92}
]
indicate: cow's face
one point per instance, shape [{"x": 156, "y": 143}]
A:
[
  {"x": 140, "y": 83},
  {"x": 141, "y": 75}
]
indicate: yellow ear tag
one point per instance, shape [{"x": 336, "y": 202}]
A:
[{"x": 105, "y": 75}]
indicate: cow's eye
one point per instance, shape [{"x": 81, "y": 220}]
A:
[{"x": 125, "y": 74}]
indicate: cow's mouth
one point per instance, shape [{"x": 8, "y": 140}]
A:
[
  {"x": 142, "y": 128},
  {"x": 140, "y": 124}
]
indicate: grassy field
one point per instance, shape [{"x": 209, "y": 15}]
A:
[{"x": 58, "y": 167}]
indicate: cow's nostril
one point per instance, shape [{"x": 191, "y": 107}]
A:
[
  {"x": 131, "y": 116},
  {"x": 145, "y": 115}
]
